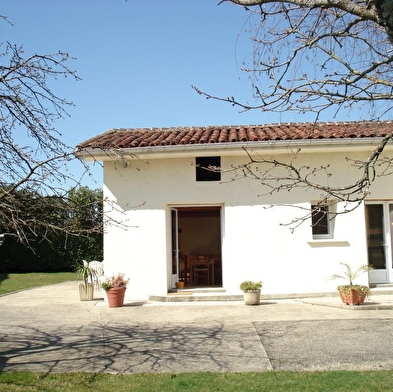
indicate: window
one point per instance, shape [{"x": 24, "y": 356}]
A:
[
  {"x": 208, "y": 168},
  {"x": 321, "y": 221}
]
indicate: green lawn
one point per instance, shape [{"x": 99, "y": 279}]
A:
[
  {"x": 200, "y": 382},
  {"x": 14, "y": 282}
]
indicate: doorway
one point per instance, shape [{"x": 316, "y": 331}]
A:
[
  {"x": 379, "y": 221},
  {"x": 196, "y": 246}
]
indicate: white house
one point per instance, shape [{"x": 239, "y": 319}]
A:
[{"x": 163, "y": 208}]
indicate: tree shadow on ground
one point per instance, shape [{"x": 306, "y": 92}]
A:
[{"x": 119, "y": 349}]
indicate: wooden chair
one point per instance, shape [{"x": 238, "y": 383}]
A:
[{"x": 201, "y": 270}]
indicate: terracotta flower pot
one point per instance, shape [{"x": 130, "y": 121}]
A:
[
  {"x": 352, "y": 297},
  {"x": 116, "y": 296}
]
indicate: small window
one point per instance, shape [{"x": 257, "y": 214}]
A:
[
  {"x": 321, "y": 221},
  {"x": 208, "y": 168}
]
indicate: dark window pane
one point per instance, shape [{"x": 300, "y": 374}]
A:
[
  {"x": 205, "y": 169},
  {"x": 320, "y": 220}
]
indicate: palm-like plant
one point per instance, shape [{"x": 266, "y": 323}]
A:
[
  {"x": 87, "y": 274},
  {"x": 350, "y": 293},
  {"x": 350, "y": 275}
]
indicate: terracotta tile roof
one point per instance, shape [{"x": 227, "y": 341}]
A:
[{"x": 158, "y": 137}]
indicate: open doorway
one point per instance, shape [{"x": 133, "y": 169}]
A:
[{"x": 196, "y": 246}]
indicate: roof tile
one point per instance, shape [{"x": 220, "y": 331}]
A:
[{"x": 155, "y": 137}]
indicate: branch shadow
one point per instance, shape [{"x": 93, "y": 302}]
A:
[{"x": 118, "y": 348}]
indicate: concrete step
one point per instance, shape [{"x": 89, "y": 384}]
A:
[
  {"x": 381, "y": 290},
  {"x": 194, "y": 297},
  {"x": 382, "y": 286},
  {"x": 220, "y": 294},
  {"x": 196, "y": 294},
  {"x": 205, "y": 295}
]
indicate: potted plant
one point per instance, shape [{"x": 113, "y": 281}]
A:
[
  {"x": 251, "y": 292},
  {"x": 115, "y": 288},
  {"x": 352, "y": 294},
  {"x": 88, "y": 276},
  {"x": 180, "y": 284}
]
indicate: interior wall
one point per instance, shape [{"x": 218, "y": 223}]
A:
[{"x": 199, "y": 235}]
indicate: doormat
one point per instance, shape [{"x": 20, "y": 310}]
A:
[{"x": 181, "y": 293}]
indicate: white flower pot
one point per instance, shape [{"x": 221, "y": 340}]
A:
[
  {"x": 252, "y": 297},
  {"x": 86, "y": 293}
]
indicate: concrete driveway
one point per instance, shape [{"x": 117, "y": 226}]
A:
[{"x": 48, "y": 329}]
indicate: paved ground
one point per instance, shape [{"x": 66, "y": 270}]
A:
[{"x": 49, "y": 330}]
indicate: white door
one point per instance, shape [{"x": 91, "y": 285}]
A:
[
  {"x": 175, "y": 247},
  {"x": 379, "y": 221}
]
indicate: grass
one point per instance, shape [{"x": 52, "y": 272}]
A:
[
  {"x": 201, "y": 382},
  {"x": 15, "y": 282}
]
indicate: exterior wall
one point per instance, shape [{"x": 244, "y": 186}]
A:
[{"x": 255, "y": 243}]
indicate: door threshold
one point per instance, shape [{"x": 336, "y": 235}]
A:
[
  {"x": 196, "y": 290},
  {"x": 381, "y": 285}
]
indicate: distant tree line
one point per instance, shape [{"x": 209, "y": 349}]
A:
[{"x": 79, "y": 213}]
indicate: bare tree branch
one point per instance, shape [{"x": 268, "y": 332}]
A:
[
  {"x": 315, "y": 55},
  {"x": 33, "y": 170},
  {"x": 277, "y": 176}
]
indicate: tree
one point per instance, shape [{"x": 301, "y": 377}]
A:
[
  {"x": 79, "y": 213},
  {"x": 347, "y": 43},
  {"x": 85, "y": 216},
  {"x": 32, "y": 155},
  {"x": 318, "y": 56}
]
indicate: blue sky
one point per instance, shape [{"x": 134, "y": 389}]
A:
[{"x": 137, "y": 61}]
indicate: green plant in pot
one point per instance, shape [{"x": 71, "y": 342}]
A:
[
  {"x": 251, "y": 292},
  {"x": 88, "y": 276},
  {"x": 350, "y": 293},
  {"x": 115, "y": 288}
]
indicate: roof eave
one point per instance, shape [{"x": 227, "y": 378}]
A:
[{"x": 223, "y": 149}]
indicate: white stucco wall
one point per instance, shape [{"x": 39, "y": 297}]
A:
[{"x": 255, "y": 244}]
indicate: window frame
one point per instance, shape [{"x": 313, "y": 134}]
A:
[{"x": 324, "y": 224}]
